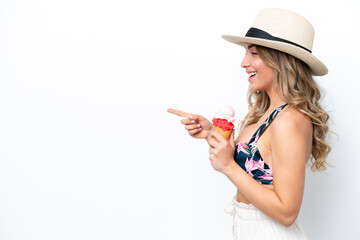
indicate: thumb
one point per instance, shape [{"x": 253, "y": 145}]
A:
[{"x": 231, "y": 139}]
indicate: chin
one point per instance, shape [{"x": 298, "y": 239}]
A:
[
  {"x": 254, "y": 89},
  {"x": 257, "y": 88}
]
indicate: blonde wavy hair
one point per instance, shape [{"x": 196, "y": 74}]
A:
[{"x": 296, "y": 86}]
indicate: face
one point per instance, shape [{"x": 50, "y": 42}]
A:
[{"x": 261, "y": 76}]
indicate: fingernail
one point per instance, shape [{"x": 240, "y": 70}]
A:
[
  {"x": 192, "y": 121},
  {"x": 199, "y": 128},
  {"x": 191, "y": 116},
  {"x": 199, "y": 125}
]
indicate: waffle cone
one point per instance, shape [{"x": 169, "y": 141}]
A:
[{"x": 226, "y": 133}]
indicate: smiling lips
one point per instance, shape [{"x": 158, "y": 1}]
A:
[{"x": 251, "y": 75}]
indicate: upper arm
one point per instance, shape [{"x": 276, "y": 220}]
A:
[{"x": 290, "y": 139}]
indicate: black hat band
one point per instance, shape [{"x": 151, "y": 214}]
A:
[{"x": 257, "y": 33}]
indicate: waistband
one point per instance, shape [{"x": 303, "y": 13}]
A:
[{"x": 245, "y": 211}]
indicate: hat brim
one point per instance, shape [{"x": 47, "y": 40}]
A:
[{"x": 316, "y": 66}]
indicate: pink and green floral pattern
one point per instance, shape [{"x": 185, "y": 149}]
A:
[{"x": 248, "y": 156}]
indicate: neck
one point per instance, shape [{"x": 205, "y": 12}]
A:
[{"x": 275, "y": 100}]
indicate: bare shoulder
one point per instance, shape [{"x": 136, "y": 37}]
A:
[
  {"x": 291, "y": 121},
  {"x": 293, "y": 130}
]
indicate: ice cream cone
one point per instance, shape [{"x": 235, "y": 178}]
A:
[
  {"x": 223, "y": 121},
  {"x": 226, "y": 133}
]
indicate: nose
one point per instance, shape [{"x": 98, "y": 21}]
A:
[{"x": 245, "y": 62}]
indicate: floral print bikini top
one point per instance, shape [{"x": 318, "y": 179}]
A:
[{"x": 248, "y": 156}]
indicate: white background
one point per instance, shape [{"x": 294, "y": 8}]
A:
[{"x": 87, "y": 149}]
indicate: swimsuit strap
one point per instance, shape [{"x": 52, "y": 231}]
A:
[{"x": 267, "y": 122}]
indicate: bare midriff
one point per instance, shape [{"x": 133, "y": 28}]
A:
[{"x": 243, "y": 199}]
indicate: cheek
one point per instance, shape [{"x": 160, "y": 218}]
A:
[
  {"x": 258, "y": 64},
  {"x": 270, "y": 73},
  {"x": 264, "y": 70}
]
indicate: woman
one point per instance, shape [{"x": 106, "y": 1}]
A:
[{"x": 285, "y": 123}]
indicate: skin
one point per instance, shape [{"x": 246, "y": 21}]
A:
[{"x": 285, "y": 146}]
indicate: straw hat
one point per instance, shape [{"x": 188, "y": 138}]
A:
[{"x": 285, "y": 31}]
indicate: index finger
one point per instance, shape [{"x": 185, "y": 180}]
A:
[{"x": 178, "y": 112}]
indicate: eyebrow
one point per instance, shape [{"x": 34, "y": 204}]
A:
[{"x": 250, "y": 46}]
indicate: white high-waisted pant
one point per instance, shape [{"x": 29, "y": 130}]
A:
[{"x": 251, "y": 224}]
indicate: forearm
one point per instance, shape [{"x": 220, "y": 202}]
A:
[{"x": 265, "y": 199}]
